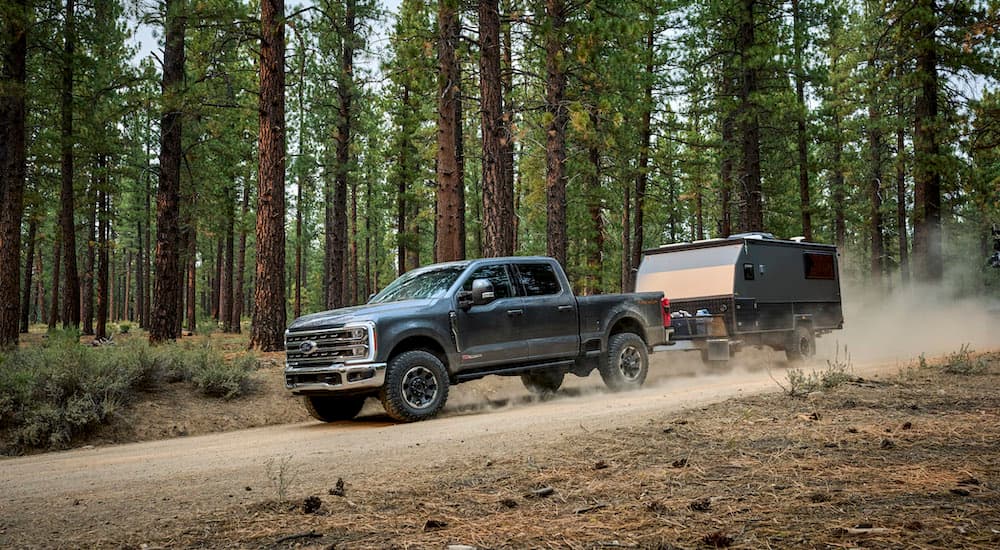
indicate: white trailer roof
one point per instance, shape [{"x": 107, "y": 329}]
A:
[{"x": 690, "y": 273}]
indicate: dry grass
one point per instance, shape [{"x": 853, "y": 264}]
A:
[{"x": 911, "y": 463}]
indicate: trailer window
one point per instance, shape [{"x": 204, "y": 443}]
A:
[
  {"x": 538, "y": 279},
  {"x": 748, "y": 272},
  {"x": 819, "y": 266}
]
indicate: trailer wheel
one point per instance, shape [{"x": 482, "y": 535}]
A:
[
  {"x": 543, "y": 381},
  {"x": 801, "y": 344},
  {"x": 627, "y": 363},
  {"x": 416, "y": 386},
  {"x": 328, "y": 408}
]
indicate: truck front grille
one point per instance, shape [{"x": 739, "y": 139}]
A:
[{"x": 322, "y": 347}]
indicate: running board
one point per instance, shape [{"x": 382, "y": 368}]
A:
[{"x": 510, "y": 370}]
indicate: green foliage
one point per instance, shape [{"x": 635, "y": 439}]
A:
[
  {"x": 837, "y": 372},
  {"x": 51, "y": 394},
  {"x": 963, "y": 362}
]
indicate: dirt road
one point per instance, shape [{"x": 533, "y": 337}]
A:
[{"x": 79, "y": 497}]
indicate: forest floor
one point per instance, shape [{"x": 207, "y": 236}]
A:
[{"x": 896, "y": 455}]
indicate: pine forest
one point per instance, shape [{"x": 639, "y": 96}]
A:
[{"x": 179, "y": 164}]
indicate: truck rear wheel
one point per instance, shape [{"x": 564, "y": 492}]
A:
[
  {"x": 328, "y": 408},
  {"x": 416, "y": 386},
  {"x": 801, "y": 344},
  {"x": 627, "y": 363},
  {"x": 543, "y": 381}
]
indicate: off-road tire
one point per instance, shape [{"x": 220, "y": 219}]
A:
[
  {"x": 328, "y": 408},
  {"x": 627, "y": 362},
  {"x": 416, "y": 386},
  {"x": 801, "y": 344},
  {"x": 543, "y": 381}
]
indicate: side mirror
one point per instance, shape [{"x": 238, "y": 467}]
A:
[{"x": 482, "y": 292}]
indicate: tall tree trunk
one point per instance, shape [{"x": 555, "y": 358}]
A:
[
  {"x": 226, "y": 285},
  {"x": 238, "y": 292},
  {"x": 401, "y": 193},
  {"x": 595, "y": 251},
  {"x": 727, "y": 164},
  {"x": 555, "y": 131},
  {"x": 103, "y": 272},
  {"x": 801, "y": 140},
  {"x": 875, "y": 146},
  {"x": 167, "y": 290},
  {"x": 89, "y": 259},
  {"x": 147, "y": 271},
  {"x": 352, "y": 277},
  {"x": 328, "y": 241},
  {"x": 626, "y": 275},
  {"x": 267, "y": 333},
  {"x": 507, "y": 78},
  {"x": 751, "y": 195},
  {"x": 71, "y": 290},
  {"x": 498, "y": 196},
  {"x": 13, "y": 75},
  {"x": 926, "y": 152},
  {"x": 41, "y": 315},
  {"x": 345, "y": 95},
  {"x": 191, "y": 259},
  {"x": 449, "y": 225},
  {"x": 645, "y": 140},
  {"x": 140, "y": 278},
  {"x": 217, "y": 282},
  {"x": 28, "y": 272},
  {"x": 904, "y": 247},
  {"x": 56, "y": 264}
]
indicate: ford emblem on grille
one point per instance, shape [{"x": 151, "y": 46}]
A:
[{"x": 308, "y": 347}]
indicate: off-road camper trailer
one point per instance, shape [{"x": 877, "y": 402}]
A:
[{"x": 748, "y": 289}]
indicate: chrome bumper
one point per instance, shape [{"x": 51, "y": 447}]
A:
[{"x": 335, "y": 378}]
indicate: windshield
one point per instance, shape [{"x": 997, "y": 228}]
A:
[{"x": 420, "y": 283}]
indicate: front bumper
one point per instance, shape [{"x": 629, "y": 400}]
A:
[{"x": 336, "y": 378}]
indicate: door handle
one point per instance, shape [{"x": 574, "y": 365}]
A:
[
  {"x": 566, "y": 308},
  {"x": 515, "y": 312}
]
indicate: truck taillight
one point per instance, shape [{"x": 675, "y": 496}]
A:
[{"x": 665, "y": 302}]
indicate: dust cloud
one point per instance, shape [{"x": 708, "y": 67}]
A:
[{"x": 909, "y": 322}]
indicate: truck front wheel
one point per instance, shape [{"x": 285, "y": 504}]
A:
[
  {"x": 416, "y": 386},
  {"x": 627, "y": 363},
  {"x": 326, "y": 408},
  {"x": 543, "y": 381},
  {"x": 801, "y": 344}
]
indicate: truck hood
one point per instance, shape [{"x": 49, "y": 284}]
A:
[{"x": 365, "y": 312}]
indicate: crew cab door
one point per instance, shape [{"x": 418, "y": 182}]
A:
[
  {"x": 551, "y": 320},
  {"x": 486, "y": 333}
]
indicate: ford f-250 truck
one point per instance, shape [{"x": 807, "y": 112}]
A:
[{"x": 453, "y": 322}]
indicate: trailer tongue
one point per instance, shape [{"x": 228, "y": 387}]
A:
[{"x": 748, "y": 289}]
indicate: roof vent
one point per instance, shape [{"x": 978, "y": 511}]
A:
[{"x": 754, "y": 235}]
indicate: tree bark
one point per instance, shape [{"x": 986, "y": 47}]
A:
[
  {"x": 216, "y": 298},
  {"x": 498, "y": 195},
  {"x": 71, "y": 290},
  {"x": 267, "y": 332},
  {"x": 875, "y": 146},
  {"x": 751, "y": 194},
  {"x": 595, "y": 251},
  {"x": 167, "y": 290},
  {"x": 89, "y": 261},
  {"x": 238, "y": 292},
  {"x": 28, "y": 272},
  {"x": 13, "y": 76},
  {"x": 103, "y": 271},
  {"x": 226, "y": 283},
  {"x": 801, "y": 139},
  {"x": 926, "y": 152},
  {"x": 642, "y": 175},
  {"x": 449, "y": 225},
  {"x": 56, "y": 264},
  {"x": 555, "y": 131},
  {"x": 904, "y": 247},
  {"x": 191, "y": 260},
  {"x": 507, "y": 78}
]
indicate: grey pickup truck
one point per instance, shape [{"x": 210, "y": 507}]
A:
[{"x": 453, "y": 322}]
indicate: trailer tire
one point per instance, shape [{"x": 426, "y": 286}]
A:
[
  {"x": 627, "y": 362},
  {"x": 329, "y": 408},
  {"x": 543, "y": 381},
  {"x": 416, "y": 386},
  {"x": 801, "y": 344}
]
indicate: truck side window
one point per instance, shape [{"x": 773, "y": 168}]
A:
[
  {"x": 748, "y": 272},
  {"x": 496, "y": 274},
  {"x": 538, "y": 279}
]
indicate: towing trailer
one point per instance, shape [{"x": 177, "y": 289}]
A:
[{"x": 746, "y": 290}]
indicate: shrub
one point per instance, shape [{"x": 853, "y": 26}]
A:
[
  {"x": 836, "y": 373},
  {"x": 51, "y": 394},
  {"x": 962, "y": 362},
  {"x": 124, "y": 327}
]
